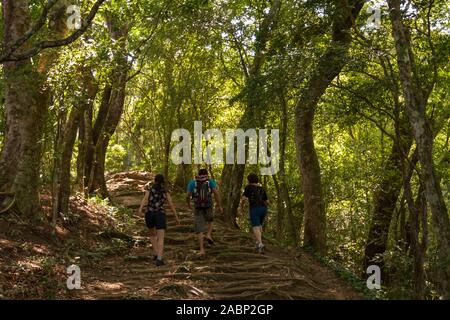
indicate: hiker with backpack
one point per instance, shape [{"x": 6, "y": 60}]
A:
[
  {"x": 200, "y": 191},
  {"x": 258, "y": 203},
  {"x": 155, "y": 216}
]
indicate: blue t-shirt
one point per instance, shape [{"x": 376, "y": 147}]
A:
[{"x": 191, "y": 185}]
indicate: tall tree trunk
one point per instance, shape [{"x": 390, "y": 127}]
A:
[
  {"x": 22, "y": 103},
  {"x": 166, "y": 157},
  {"x": 415, "y": 102},
  {"x": 81, "y": 158},
  {"x": 293, "y": 225},
  {"x": 386, "y": 196},
  {"x": 106, "y": 126},
  {"x": 26, "y": 104},
  {"x": 280, "y": 211},
  {"x": 417, "y": 247},
  {"x": 88, "y": 147},
  {"x": 62, "y": 194},
  {"x": 417, "y": 210},
  {"x": 328, "y": 68},
  {"x": 184, "y": 175},
  {"x": 231, "y": 191},
  {"x": 91, "y": 137},
  {"x": 233, "y": 174}
]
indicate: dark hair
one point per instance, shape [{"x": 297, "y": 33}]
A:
[
  {"x": 159, "y": 182},
  {"x": 202, "y": 172},
  {"x": 252, "y": 178}
]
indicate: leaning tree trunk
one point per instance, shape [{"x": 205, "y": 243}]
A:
[
  {"x": 415, "y": 103},
  {"x": 328, "y": 67}
]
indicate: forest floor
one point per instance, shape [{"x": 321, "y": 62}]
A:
[{"x": 114, "y": 255}]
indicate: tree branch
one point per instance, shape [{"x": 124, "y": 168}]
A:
[
  {"x": 52, "y": 44},
  {"x": 31, "y": 31}
]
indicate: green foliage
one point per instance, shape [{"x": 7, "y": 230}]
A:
[{"x": 116, "y": 158}]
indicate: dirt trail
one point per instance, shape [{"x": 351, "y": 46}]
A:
[{"x": 231, "y": 269}]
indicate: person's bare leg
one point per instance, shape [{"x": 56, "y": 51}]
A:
[
  {"x": 261, "y": 232},
  {"x": 201, "y": 244},
  {"x": 210, "y": 230},
  {"x": 257, "y": 233},
  {"x": 154, "y": 241},
  {"x": 160, "y": 236}
]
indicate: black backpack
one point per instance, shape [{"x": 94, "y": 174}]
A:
[
  {"x": 257, "y": 198},
  {"x": 202, "y": 193}
]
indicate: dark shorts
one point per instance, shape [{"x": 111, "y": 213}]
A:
[
  {"x": 257, "y": 216},
  {"x": 156, "y": 219},
  {"x": 201, "y": 218}
]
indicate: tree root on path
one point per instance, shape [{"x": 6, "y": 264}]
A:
[
  {"x": 181, "y": 229},
  {"x": 263, "y": 277},
  {"x": 246, "y": 267},
  {"x": 179, "y": 290},
  {"x": 270, "y": 280},
  {"x": 236, "y": 237},
  {"x": 253, "y": 288},
  {"x": 169, "y": 240},
  {"x": 260, "y": 294},
  {"x": 239, "y": 255}
]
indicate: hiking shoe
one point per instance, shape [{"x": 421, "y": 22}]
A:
[
  {"x": 209, "y": 240},
  {"x": 155, "y": 257},
  {"x": 159, "y": 263},
  {"x": 261, "y": 248}
]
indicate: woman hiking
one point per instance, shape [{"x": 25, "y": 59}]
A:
[
  {"x": 258, "y": 203},
  {"x": 155, "y": 216}
]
